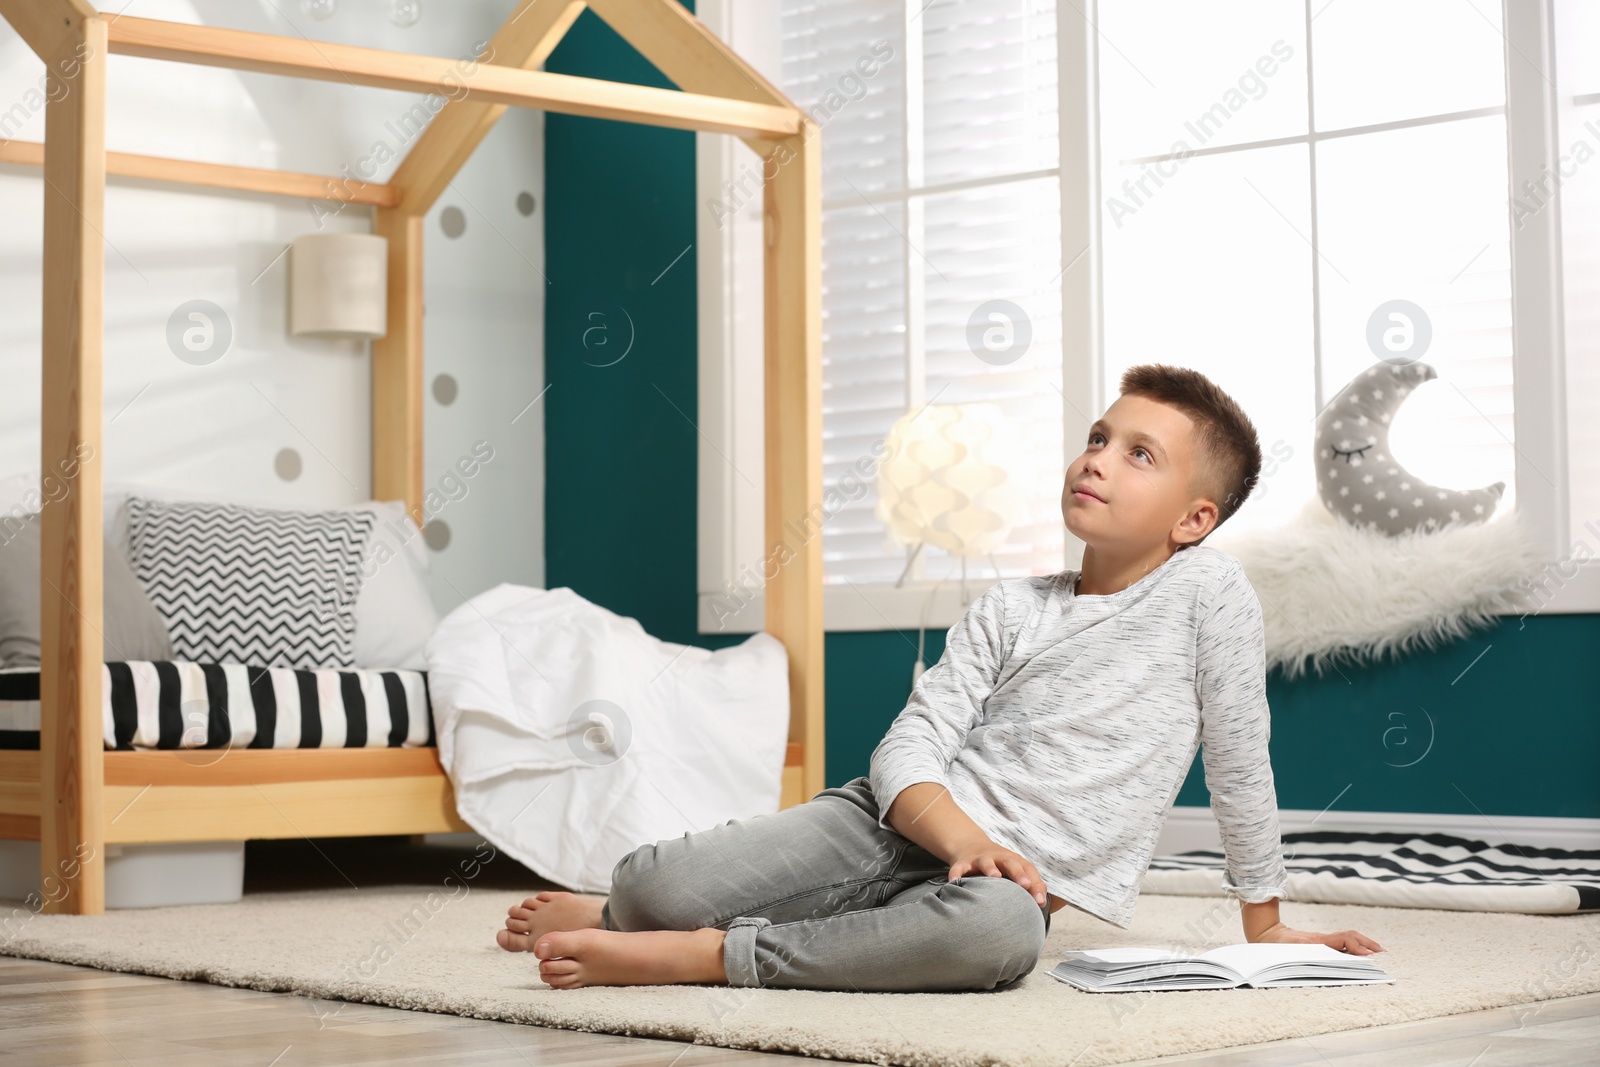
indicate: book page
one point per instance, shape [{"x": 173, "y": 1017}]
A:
[
  {"x": 1250, "y": 959},
  {"x": 1128, "y": 955}
]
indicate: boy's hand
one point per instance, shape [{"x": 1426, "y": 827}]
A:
[
  {"x": 927, "y": 814},
  {"x": 1350, "y": 941},
  {"x": 990, "y": 859}
]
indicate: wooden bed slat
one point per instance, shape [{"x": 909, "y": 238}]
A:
[
  {"x": 526, "y": 40},
  {"x": 19, "y": 770},
  {"x": 19, "y": 784},
  {"x": 681, "y": 47},
  {"x": 343, "y": 807},
  {"x": 215, "y": 794},
  {"x": 47, "y": 25},
  {"x": 325, "y": 61},
  {"x": 221, "y": 176},
  {"x": 19, "y": 827},
  {"x": 259, "y": 766}
]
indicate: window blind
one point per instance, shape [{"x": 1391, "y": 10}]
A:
[{"x": 939, "y": 195}]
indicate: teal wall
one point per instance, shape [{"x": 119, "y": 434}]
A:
[
  {"x": 1517, "y": 734},
  {"x": 620, "y": 439}
]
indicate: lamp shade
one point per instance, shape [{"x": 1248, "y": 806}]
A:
[
  {"x": 338, "y": 285},
  {"x": 949, "y": 479}
]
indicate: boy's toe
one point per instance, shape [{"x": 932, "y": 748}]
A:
[
  {"x": 512, "y": 941},
  {"x": 559, "y": 974},
  {"x": 553, "y": 944}
]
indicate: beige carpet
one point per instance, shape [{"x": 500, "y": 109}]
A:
[{"x": 398, "y": 946}]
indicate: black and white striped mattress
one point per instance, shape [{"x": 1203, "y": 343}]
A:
[
  {"x": 179, "y": 704},
  {"x": 1407, "y": 871}
]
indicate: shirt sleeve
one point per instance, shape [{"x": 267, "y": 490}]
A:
[
  {"x": 1235, "y": 725},
  {"x": 945, "y": 704}
]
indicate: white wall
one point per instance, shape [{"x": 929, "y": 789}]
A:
[{"x": 219, "y": 428}]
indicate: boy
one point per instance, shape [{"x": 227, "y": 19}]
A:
[{"x": 1042, "y": 750}]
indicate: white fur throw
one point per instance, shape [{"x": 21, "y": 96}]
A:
[{"x": 1331, "y": 591}]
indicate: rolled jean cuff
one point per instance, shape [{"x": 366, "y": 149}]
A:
[{"x": 739, "y": 951}]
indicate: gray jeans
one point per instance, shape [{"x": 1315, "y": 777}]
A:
[{"x": 819, "y": 896}]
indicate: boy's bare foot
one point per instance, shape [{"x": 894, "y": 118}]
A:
[
  {"x": 576, "y": 958},
  {"x": 546, "y": 913}
]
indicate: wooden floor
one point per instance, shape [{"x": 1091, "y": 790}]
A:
[{"x": 56, "y": 1014}]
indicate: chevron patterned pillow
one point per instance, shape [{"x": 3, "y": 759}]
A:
[{"x": 262, "y": 586}]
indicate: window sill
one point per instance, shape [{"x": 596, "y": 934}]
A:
[
  {"x": 862, "y": 608},
  {"x": 1572, "y": 588},
  {"x": 848, "y": 607}
]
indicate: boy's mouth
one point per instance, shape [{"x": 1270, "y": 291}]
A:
[{"x": 1080, "y": 492}]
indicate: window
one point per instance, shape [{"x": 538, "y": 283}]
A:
[
  {"x": 1269, "y": 190},
  {"x": 1264, "y": 178}
]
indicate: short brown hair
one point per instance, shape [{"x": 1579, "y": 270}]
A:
[{"x": 1228, "y": 457}]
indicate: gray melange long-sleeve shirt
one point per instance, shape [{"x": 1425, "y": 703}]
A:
[{"x": 1064, "y": 725}]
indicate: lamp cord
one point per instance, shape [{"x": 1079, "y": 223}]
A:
[{"x": 922, "y": 628}]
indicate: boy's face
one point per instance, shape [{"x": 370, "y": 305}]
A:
[{"x": 1139, "y": 460}]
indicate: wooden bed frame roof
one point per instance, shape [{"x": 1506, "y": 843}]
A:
[{"x": 718, "y": 92}]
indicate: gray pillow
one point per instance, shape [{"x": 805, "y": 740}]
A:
[
  {"x": 133, "y": 628},
  {"x": 275, "y": 587}
]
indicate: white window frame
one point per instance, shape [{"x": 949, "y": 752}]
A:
[{"x": 730, "y": 507}]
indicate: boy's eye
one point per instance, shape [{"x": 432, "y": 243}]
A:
[{"x": 1140, "y": 448}]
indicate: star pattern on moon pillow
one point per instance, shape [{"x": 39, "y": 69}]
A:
[{"x": 1358, "y": 478}]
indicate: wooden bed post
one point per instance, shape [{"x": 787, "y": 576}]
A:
[
  {"x": 397, "y": 367},
  {"x": 72, "y": 821},
  {"x": 446, "y": 143},
  {"x": 793, "y": 227}
]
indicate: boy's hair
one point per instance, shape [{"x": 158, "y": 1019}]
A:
[{"x": 1228, "y": 452}]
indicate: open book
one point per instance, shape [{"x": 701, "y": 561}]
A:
[{"x": 1115, "y": 970}]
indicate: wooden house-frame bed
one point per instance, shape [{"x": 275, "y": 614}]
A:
[{"x": 75, "y": 797}]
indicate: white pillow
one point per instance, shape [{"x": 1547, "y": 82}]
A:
[
  {"x": 395, "y": 614},
  {"x": 21, "y": 493}
]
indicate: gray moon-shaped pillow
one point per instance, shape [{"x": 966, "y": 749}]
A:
[{"x": 1359, "y": 479}]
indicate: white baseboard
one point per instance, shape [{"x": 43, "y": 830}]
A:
[{"x": 1189, "y": 827}]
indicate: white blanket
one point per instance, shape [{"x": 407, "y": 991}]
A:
[{"x": 572, "y": 737}]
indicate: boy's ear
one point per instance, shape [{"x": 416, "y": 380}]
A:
[{"x": 1200, "y": 521}]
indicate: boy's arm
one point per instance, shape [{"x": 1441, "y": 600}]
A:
[
  {"x": 908, "y": 766},
  {"x": 1259, "y": 918},
  {"x": 945, "y": 704},
  {"x": 1235, "y": 725},
  {"x": 927, "y": 814}
]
